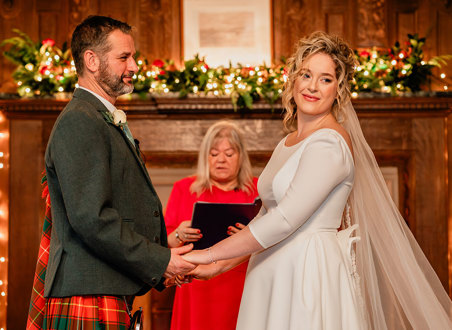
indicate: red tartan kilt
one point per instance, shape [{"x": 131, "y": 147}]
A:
[{"x": 86, "y": 312}]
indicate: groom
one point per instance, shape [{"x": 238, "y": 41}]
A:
[{"x": 108, "y": 241}]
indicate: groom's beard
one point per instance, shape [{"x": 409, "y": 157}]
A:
[{"x": 113, "y": 84}]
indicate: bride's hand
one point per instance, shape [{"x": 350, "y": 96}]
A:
[
  {"x": 199, "y": 257},
  {"x": 205, "y": 272}
]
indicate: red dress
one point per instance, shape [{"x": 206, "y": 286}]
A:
[{"x": 213, "y": 304}]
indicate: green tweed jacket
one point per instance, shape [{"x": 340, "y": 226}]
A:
[{"x": 108, "y": 234}]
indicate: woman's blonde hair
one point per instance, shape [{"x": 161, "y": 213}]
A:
[
  {"x": 217, "y": 132},
  {"x": 343, "y": 57}
]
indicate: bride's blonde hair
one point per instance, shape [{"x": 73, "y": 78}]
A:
[{"x": 343, "y": 57}]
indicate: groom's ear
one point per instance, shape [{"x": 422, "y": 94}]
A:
[{"x": 92, "y": 61}]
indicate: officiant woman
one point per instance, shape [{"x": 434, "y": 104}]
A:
[{"x": 223, "y": 176}]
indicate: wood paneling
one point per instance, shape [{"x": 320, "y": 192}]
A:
[{"x": 410, "y": 134}]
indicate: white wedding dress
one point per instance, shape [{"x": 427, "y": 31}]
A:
[{"x": 303, "y": 279}]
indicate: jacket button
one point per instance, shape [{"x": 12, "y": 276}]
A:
[
  {"x": 156, "y": 213},
  {"x": 156, "y": 239},
  {"x": 154, "y": 281}
]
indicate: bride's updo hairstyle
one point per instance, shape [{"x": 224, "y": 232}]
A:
[{"x": 343, "y": 57}]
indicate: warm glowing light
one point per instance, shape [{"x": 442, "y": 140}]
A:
[
  {"x": 195, "y": 89},
  {"x": 39, "y": 78},
  {"x": 3, "y": 293},
  {"x": 366, "y": 73},
  {"x": 1, "y": 154},
  {"x": 29, "y": 67},
  {"x": 166, "y": 90},
  {"x": 2, "y": 259},
  {"x": 1, "y": 282},
  {"x": 148, "y": 73},
  {"x": 260, "y": 79},
  {"x": 393, "y": 62},
  {"x": 442, "y": 75},
  {"x": 401, "y": 55},
  {"x": 27, "y": 90},
  {"x": 77, "y": 85},
  {"x": 134, "y": 76},
  {"x": 215, "y": 92},
  {"x": 423, "y": 62},
  {"x": 403, "y": 71},
  {"x": 446, "y": 88},
  {"x": 354, "y": 95},
  {"x": 140, "y": 62},
  {"x": 60, "y": 89},
  {"x": 56, "y": 57},
  {"x": 399, "y": 86}
]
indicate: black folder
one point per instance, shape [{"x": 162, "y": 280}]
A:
[{"x": 213, "y": 219}]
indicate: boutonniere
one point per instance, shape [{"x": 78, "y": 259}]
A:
[{"x": 117, "y": 118}]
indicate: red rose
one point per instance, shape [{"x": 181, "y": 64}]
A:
[
  {"x": 158, "y": 63},
  {"x": 364, "y": 53},
  {"x": 48, "y": 42},
  {"x": 43, "y": 69}
]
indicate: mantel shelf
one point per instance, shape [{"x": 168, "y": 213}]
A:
[{"x": 209, "y": 106}]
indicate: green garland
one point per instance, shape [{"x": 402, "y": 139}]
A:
[{"x": 45, "y": 70}]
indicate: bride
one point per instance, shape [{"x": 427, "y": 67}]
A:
[{"x": 303, "y": 273}]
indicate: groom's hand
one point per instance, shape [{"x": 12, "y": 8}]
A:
[{"x": 177, "y": 265}]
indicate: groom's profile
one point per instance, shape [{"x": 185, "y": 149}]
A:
[{"x": 108, "y": 240}]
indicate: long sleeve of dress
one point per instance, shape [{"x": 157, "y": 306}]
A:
[{"x": 322, "y": 166}]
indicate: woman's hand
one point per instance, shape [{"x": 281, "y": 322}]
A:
[
  {"x": 234, "y": 230},
  {"x": 186, "y": 233},
  {"x": 199, "y": 257},
  {"x": 183, "y": 234},
  {"x": 205, "y": 272}
]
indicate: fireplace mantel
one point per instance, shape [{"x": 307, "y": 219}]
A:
[
  {"x": 221, "y": 106},
  {"x": 410, "y": 135}
]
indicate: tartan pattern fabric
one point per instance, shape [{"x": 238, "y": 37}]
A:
[
  {"x": 37, "y": 301},
  {"x": 78, "y": 312},
  {"x": 86, "y": 312}
]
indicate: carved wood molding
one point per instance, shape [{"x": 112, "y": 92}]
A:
[{"x": 209, "y": 108}]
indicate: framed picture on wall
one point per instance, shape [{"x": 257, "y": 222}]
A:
[{"x": 233, "y": 31}]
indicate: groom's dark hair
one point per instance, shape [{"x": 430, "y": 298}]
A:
[{"x": 92, "y": 34}]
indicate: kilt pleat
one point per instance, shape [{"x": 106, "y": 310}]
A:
[{"x": 86, "y": 312}]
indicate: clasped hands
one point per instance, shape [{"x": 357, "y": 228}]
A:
[{"x": 186, "y": 265}]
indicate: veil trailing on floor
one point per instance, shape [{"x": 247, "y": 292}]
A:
[{"x": 398, "y": 286}]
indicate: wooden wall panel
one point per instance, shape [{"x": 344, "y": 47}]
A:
[
  {"x": 158, "y": 24},
  {"x": 371, "y": 25},
  {"x": 159, "y": 29},
  {"x": 293, "y": 19},
  {"x": 26, "y": 214}
]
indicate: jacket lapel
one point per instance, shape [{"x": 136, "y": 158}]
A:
[{"x": 94, "y": 101}]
